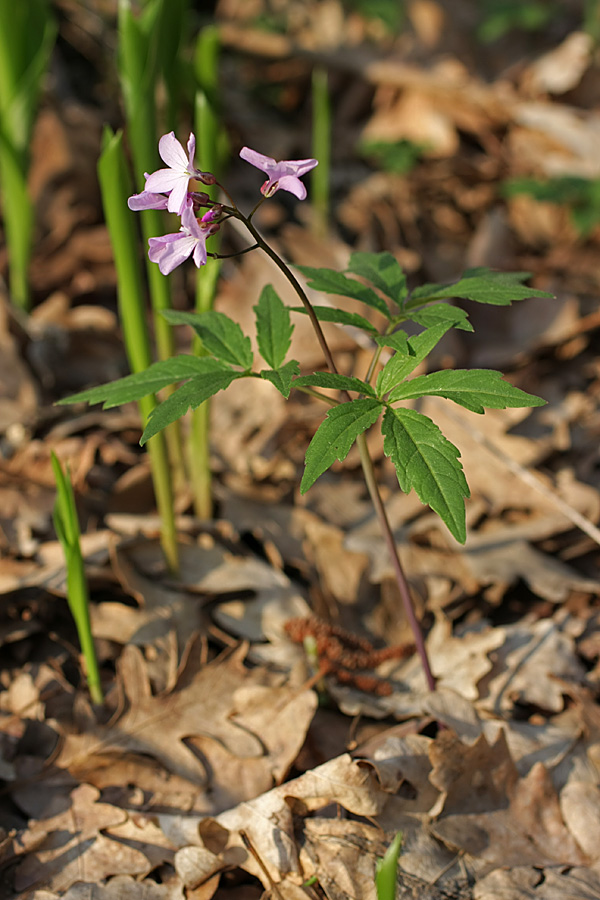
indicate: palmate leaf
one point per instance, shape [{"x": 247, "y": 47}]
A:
[
  {"x": 157, "y": 376},
  {"x": 336, "y": 382},
  {"x": 335, "y": 436},
  {"x": 188, "y": 396},
  {"x": 273, "y": 327},
  {"x": 340, "y": 316},
  {"x": 383, "y": 271},
  {"x": 398, "y": 340},
  {"x": 399, "y": 366},
  {"x": 221, "y": 336},
  {"x": 282, "y": 378},
  {"x": 475, "y": 389},
  {"x": 426, "y": 461},
  {"x": 481, "y": 285},
  {"x": 331, "y": 282}
]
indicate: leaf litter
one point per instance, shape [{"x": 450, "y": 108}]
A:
[{"x": 214, "y": 731}]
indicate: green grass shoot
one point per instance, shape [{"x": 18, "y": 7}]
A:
[
  {"x": 115, "y": 185},
  {"x": 27, "y": 33},
  {"x": 321, "y": 150},
  {"x": 66, "y": 525},
  {"x": 148, "y": 48},
  {"x": 387, "y": 870}
]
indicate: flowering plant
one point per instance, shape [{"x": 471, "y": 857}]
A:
[{"x": 423, "y": 458}]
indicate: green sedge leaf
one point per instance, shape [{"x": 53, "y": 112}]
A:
[
  {"x": 340, "y": 316},
  {"x": 399, "y": 366},
  {"x": 335, "y": 436},
  {"x": 398, "y": 340},
  {"x": 221, "y": 336},
  {"x": 386, "y": 870},
  {"x": 188, "y": 396},
  {"x": 282, "y": 378},
  {"x": 475, "y": 389},
  {"x": 336, "y": 382},
  {"x": 152, "y": 379},
  {"x": 331, "y": 282},
  {"x": 481, "y": 285},
  {"x": 442, "y": 312},
  {"x": 273, "y": 327},
  {"x": 383, "y": 271},
  {"x": 426, "y": 461}
]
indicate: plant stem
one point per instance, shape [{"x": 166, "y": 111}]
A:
[{"x": 365, "y": 458}]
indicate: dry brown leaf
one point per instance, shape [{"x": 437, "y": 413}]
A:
[
  {"x": 124, "y": 887},
  {"x": 527, "y": 883}
]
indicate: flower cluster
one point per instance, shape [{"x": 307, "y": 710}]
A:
[{"x": 170, "y": 189}]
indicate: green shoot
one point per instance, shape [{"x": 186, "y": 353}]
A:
[
  {"x": 321, "y": 150},
  {"x": 115, "y": 186},
  {"x": 67, "y": 531},
  {"x": 27, "y": 33},
  {"x": 387, "y": 869}
]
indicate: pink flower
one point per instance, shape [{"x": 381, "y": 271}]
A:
[
  {"x": 283, "y": 175},
  {"x": 147, "y": 200},
  {"x": 173, "y": 181},
  {"x": 171, "y": 250}
]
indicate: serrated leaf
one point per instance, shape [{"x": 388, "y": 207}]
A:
[
  {"x": 332, "y": 282},
  {"x": 399, "y": 366},
  {"x": 481, "y": 285},
  {"x": 336, "y": 382},
  {"x": 397, "y": 340},
  {"x": 383, "y": 271},
  {"x": 426, "y": 461},
  {"x": 442, "y": 312},
  {"x": 335, "y": 436},
  {"x": 157, "y": 376},
  {"x": 221, "y": 336},
  {"x": 188, "y": 396},
  {"x": 475, "y": 389},
  {"x": 273, "y": 327},
  {"x": 282, "y": 378},
  {"x": 340, "y": 316}
]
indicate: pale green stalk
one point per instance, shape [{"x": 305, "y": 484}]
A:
[
  {"x": 116, "y": 187},
  {"x": 209, "y": 133},
  {"x": 66, "y": 525},
  {"x": 27, "y": 33},
  {"x": 148, "y": 44},
  {"x": 387, "y": 869},
  {"x": 321, "y": 150}
]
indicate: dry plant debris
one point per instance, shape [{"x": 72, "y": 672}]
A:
[{"x": 211, "y": 735}]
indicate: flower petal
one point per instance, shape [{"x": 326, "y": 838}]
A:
[
  {"x": 265, "y": 163},
  {"x": 178, "y": 196},
  {"x": 163, "y": 181},
  {"x": 200, "y": 255},
  {"x": 172, "y": 152},
  {"x": 147, "y": 200},
  {"x": 292, "y": 184},
  {"x": 175, "y": 253},
  {"x": 191, "y": 147}
]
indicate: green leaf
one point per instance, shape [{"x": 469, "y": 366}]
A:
[
  {"x": 475, "y": 389},
  {"x": 282, "y": 377},
  {"x": 481, "y": 285},
  {"x": 221, "y": 336},
  {"x": 336, "y": 382},
  {"x": 426, "y": 461},
  {"x": 188, "y": 396},
  {"x": 386, "y": 870},
  {"x": 442, "y": 312},
  {"x": 398, "y": 340},
  {"x": 399, "y": 366},
  {"x": 335, "y": 436},
  {"x": 383, "y": 271},
  {"x": 331, "y": 314},
  {"x": 331, "y": 282},
  {"x": 152, "y": 379},
  {"x": 273, "y": 327}
]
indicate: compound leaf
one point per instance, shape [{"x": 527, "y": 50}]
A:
[
  {"x": 273, "y": 327},
  {"x": 340, "y": 316},
  {"x": 336, "y": 382},
  {"x": 282, "y": 378},
  {"x": 157, "y": 376},
  {"x": 399, "y": 366},
  {"x": 383, "y": 271},
  {"x": 188, "y": 396},
  {"x": 331, "y": 282},
  {"x": 335, "y": 436},
  {"x": 481, "y": 285},
  {"x": 221, "y": 336},
  {"x": 442, "y": 312},
  {"x": 475, "y": 389},
  {"x": 426, "y": 461}
]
